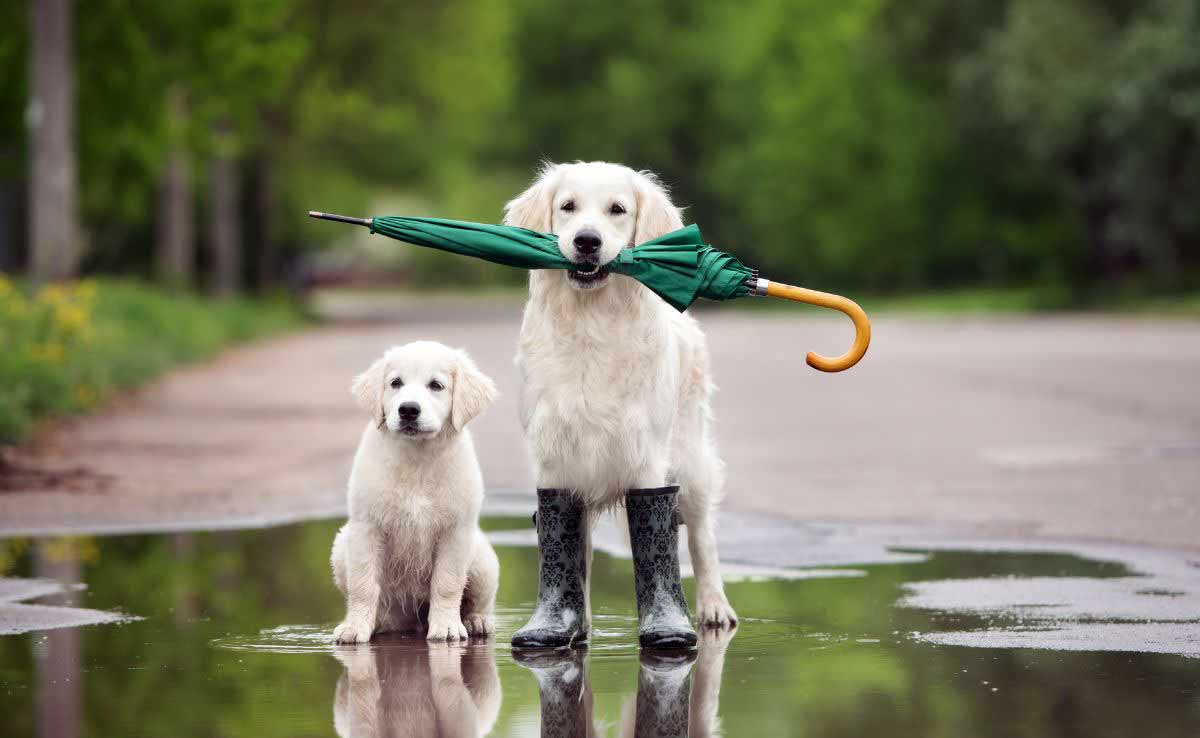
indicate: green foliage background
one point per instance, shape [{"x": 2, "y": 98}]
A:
[{"x": 870, "y": 144}]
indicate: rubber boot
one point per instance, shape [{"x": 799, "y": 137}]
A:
[
  {"x": 654, "y": 537},
  {"x": 664, "y": 694},
  {"x": 560, "y": 617},
  {"x": 564, "y": 691}
]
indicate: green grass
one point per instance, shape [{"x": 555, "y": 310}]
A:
[{"x": 69, "y": 347}]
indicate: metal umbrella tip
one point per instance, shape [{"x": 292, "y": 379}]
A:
[{"x": 340, "y": 218}]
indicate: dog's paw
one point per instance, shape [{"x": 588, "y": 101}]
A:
[
  {"x": 713, "y": 610},
  {"x": 446, "y": 629},
  {"x": 349, "y": 632},
  {"x": 479, "y": 625},
  {"x": 713, "y": 639}
]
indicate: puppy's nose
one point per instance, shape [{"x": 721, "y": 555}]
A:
[
  {"x": 587, "y": 241},
  {"x": 409, "y": 410}
]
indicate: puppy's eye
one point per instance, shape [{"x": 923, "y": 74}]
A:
[
  {"x": 436, "y": 386},
  {"x": 397, "y": 383},
  {"x": 616, "y": 209},
  {"x": 568, "y": 206}
]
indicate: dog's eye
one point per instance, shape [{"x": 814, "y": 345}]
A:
[
  {"x": 616, "y": 209},
  {"x": 397, "y": 383},
  {"x": 568, "y": 206},
  {"x": 436, "y": 386}
]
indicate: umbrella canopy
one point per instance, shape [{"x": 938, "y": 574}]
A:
[{"x": 679, "y": 267}]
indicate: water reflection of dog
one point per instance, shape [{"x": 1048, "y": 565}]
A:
[
  {"x": 669, "y": 703},
  {"x": 410, "y": 688}
]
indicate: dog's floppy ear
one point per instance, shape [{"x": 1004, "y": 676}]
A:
[
  {"x": 656, "y": 215},
  {"x": 473, "y": 392},
  {"x": 531, "y": 208},
  {"x": 367, "y": 387}
]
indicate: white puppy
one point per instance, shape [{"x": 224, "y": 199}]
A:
[
  {"x": 616, "y": 381},
  {"x": 412, "y": 553}
]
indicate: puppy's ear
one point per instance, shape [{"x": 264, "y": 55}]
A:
[
  {"x": 473, "y": 392},
  {"x": 531, "y": 208},
  {"x": 656, "y": 215},
  {"x": 367, "y": 387}
]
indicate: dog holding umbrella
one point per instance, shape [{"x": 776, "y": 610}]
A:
[{"x": 615, "y": 402}]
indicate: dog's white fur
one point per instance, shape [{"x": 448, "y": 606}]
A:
[
  {"x": 616, "y": 381},
  {"x": 412, "y": 553},
  {"x": 411, "y": 688}
]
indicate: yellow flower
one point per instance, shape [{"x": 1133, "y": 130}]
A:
[
  {"x": 70, "y": 548},
  {"x": 85, "y": 396},
  {"x": 51, "y": 352},
  {"x": 70, "y": 317},
  {"x": 53, "y": 294},
  {"x": 86, "y": 289}
]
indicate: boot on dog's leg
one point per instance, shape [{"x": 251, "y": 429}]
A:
[
  {"x": 654, "y": 537},
  {"x": 664, "y": 694},
  {"x": 564, "y": 691},
  {"x": 560, "y": 617}
]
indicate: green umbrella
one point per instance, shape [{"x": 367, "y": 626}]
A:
[{"x": 679, "y": 267}]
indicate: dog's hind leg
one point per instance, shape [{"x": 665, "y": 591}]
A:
[
  {"x": 483, "y": 579},
  {"x": 700, "y": 483},
  {"x": 361, "y": 551},
  {"x": 337, "y": 559}
]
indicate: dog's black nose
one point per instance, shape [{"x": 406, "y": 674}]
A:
[
  {"x": 409, "y": 410},
  {"x": 587, "y": 241}
]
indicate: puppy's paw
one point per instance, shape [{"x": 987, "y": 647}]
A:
[
  {"x": 446, "y": 629},
  {"x": 350, "y": 632},
  {"x": 713, "y": 610},
  {"x": 479, "y": 624}
]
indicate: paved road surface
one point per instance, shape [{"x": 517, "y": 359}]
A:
[{"x": 1058, "y": 427}]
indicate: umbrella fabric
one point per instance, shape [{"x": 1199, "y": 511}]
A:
[{"x": 679, "y": 267}]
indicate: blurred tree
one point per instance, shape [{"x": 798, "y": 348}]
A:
[
  {"x": 869, "y": 144},
  {"x": 176, "y": 219},
  {"x": 226, "y": 225},
  {"x": 54, "y": 232}
]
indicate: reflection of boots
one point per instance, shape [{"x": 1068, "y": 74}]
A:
[
  {"x": 560, "y": 617},
  {"x": 663, "y": 692},
  {"x": 654, "y": 537},
  {"x": 566, "y": 695}
]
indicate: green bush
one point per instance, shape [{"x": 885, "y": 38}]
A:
[{"x": 69, "y": 346}]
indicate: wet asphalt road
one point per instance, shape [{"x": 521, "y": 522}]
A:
[{"x": 1066, "y": 427}]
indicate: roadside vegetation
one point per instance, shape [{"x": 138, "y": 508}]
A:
[{"x": 68, "y": 346}]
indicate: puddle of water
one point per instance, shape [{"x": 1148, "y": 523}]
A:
[{"x": 234, "y": 643}]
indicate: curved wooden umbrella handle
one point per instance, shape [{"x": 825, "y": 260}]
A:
[{"x": 862, "y": 325}]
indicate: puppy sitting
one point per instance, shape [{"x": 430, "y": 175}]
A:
[{"x": 412, "y": 554}]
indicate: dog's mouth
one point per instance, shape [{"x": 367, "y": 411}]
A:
[
  {"x": 412, "y": 430},
  {"x": 587, "y": 275}
]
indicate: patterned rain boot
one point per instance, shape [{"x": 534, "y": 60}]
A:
[
  {"x": 664, "y": 694},
  {"x": 560, "y": 617},
  {"x": 564, "y": 691},
  {"x": 654, "y": 537}
]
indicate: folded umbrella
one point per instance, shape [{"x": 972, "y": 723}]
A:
[{"x": 679, "y": 267}]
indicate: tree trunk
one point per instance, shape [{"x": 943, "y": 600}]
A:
[
  {"x": 226, "y": 219},
  {"x": 58, "y": 657},
  {"x": 176, "y": 219},
  {"x": 54, "y": 232},
  {"x": 264, "y": 203}
]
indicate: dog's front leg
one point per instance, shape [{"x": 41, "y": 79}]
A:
[
  {"x": 456, "y": 714},
  {"x": 450, "y": 563},
  {"x": 356, "y": 702},
  {"x": 362, "y": 584}
]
